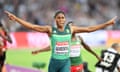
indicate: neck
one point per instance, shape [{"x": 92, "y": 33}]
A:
[{"x": 60, "y": 28}]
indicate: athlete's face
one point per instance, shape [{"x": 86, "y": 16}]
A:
[{"x": 60, "y": 20}]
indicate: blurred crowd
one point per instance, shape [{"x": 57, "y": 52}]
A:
[{"x": 41, "y": 12}]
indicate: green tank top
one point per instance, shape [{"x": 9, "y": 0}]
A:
[
  {"x": 75, "y": 54},
  {"x": 60, "y": 42}
]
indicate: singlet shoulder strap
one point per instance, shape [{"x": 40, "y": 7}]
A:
[
  {"x": 67, "y": 26},
  {"x": 54, "y": 29}
]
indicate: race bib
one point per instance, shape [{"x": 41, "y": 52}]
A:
[
  {"x": 62, "y": 48},
  {"x": 75, "y": 51},
  {"x": 108, "y": 59}
]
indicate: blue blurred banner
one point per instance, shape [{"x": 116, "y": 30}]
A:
[{"x": 96, "y": 38}]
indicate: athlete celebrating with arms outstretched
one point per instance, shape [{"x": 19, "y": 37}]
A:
[{"x": 60, "y": 38}]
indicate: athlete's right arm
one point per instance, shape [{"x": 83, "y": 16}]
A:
[
  {"x": 41, "y": 50},
  {"x": 46, "y": 29}
]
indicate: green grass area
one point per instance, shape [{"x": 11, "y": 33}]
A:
[
  {"x": 24, "y": 58},
  {"x": 87, "y": 57}
]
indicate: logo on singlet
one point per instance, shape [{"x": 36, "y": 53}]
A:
[
  {"x": 54, "y": 31},
  {"x": 61, "y": 48},
  {"x": 67, "y": 30}
]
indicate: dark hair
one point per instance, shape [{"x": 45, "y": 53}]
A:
[
  {"x": 115, "y": 45},
  {"x": 58, "y": 12},
  {"x": 70, "y": 22}
]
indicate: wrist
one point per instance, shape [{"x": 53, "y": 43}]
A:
[
  {"x": 16, "y": 19},
  {"x": 107, "y": 23}
]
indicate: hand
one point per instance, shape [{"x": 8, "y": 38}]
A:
[
  {"x": 34, "y": 52},
  {"x": 112, "y": 21},
  {"x": 10, "y": 15}
]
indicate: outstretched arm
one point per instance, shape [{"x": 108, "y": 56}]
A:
[
  {"x": 76, "y": 29},
  {"x": 41, "y": 50},
  {"x": 46, "y": 29},
  {"x": 88, "y": 48}
]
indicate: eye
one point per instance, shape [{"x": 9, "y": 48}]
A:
[
  {"x": 58, "y": 17},
  {"x": 62, "y": 17}
]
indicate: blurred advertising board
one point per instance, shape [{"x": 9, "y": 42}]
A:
[
  {"x": 29, "y": 40},
  {"x": 37, "y": 39},
  {"x": 113, "y": 37}
]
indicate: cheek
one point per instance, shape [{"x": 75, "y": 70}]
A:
[
  {"x": 64, "y": 20},
  {"x": 56, "y": 20}
]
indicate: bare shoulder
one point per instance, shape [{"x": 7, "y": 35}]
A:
[
  {"x": 72, "y": 28},
  {"x": 75, "y": 29},
  {"x": 49, "y": 27}
]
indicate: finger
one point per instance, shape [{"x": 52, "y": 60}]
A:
[
  {"x": 6, "y": 12},
  {"x": 114, "y": 17}
]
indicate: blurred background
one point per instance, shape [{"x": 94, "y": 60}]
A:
[
  {"x": 41, "y": 12},
  {"x": 82, "y": 12}
]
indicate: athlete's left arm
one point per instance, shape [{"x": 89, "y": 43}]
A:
[
  {"x": 89, "y": 49},
  {"x": 76, "y": 29},
  {"x": 7, "y": 35}
]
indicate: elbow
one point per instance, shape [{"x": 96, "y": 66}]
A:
[{"x": 9, "y": 40}]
